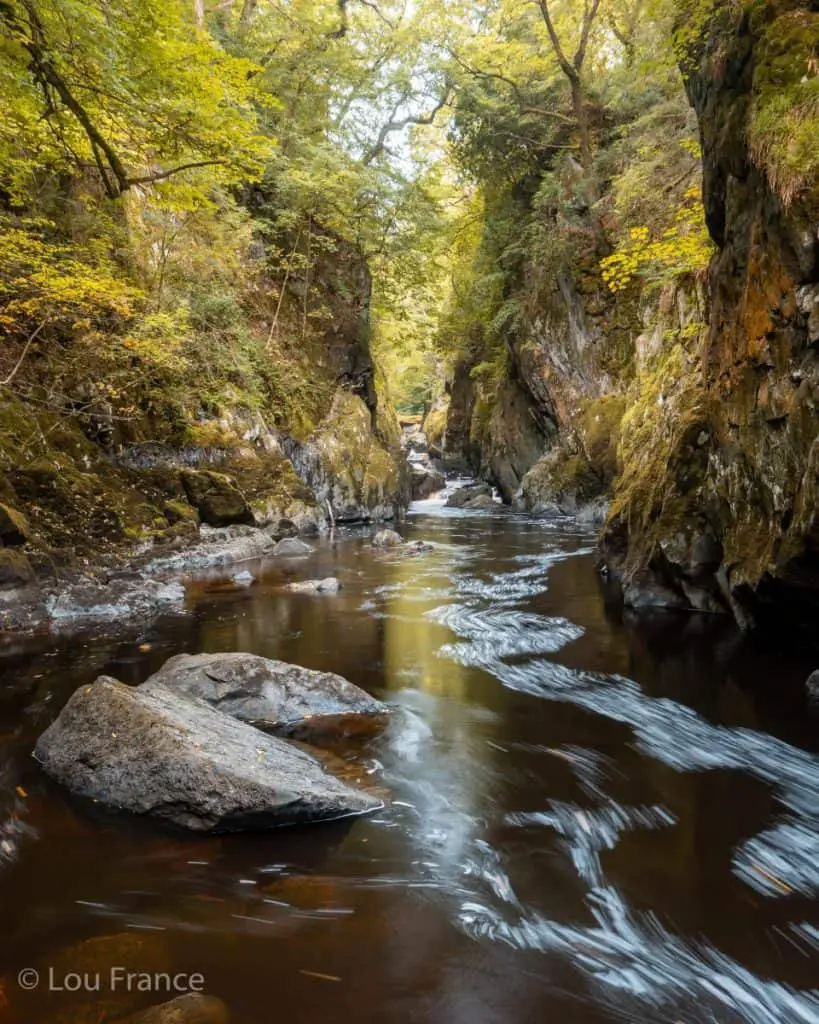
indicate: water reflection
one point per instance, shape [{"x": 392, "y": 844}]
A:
[{"x": 589, "y": 821}]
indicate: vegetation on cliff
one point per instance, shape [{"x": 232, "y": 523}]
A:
[{"x": 573, "y": 233}]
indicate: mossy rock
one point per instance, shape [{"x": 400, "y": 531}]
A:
[
  {"x": 14, "y": 527},
  {"x": 216, "y": 498},
  {"x": 15, "y": 569},
  {"x": 179, "y": 512}
]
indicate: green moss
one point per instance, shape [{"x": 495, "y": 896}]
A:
[
  {"x": 351, "y": 453},
  {"x": 599, "y": 426},
  {"x": 663, "y": 463},
  {"x": 784, "y": 122},
  {"x": 434, "y": 425}
]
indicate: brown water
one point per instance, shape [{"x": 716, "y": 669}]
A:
[{"x": 591, "y": 819}]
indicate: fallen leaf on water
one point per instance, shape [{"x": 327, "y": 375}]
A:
[
  {"x": 317, "y": 974},
  {"x": 144, "y": 647},
  {"x": 21, "y": 792}
]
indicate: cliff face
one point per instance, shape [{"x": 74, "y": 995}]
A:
[
  {"x": 295, "y": 433},
  {"x": 738, "y": 527}
]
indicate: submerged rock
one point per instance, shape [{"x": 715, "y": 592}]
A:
[
  {"x": 418, "y": 547},
  {"x": 292, "y": 547},
  {"x": 274, "y": 695},
  {"x": 192, "y": 1008},
  {"x": 387, "y": 539},
  {"x": 152, "y": 751},
  {"x": 330, "y": 585},
  {"x": 460, "y": 497}
]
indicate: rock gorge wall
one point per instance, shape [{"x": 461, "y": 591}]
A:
[
  {"x": 738, "y": 526},
  {"x": 690, "y": 410},
  {"x": 73, "y": 486}
]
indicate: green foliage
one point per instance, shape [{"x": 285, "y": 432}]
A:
[
  {"x": 785, "y": 113},
  {"x": 130, "y": 91},
  {"x": 683, "y": 248}
]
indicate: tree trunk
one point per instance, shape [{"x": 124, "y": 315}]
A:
[{"x": 581, "y": 116}]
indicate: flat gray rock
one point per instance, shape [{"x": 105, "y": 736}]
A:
[
  {"x": 292, "y": 547},
  {"x": 151, "y": 751},
  {"x": 273, "y": 695}
]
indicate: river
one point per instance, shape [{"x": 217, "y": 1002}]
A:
[{"x": 590, "y": 818}]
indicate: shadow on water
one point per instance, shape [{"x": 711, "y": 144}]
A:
[{"x": 592, "y": 818}]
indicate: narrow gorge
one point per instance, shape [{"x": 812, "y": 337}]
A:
[{"x": 409, "y": 511}]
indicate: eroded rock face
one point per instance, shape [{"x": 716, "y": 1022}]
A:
[
  {"x": 279, "y": 697},
  {"x": 746, "y": 473},
  {"x": 152, "y": 751},
  {"x": 354, "y": 472}
]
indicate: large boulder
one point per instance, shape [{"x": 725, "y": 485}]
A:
[
  {"x": 274, "y": 695},
  {"x": 216, "y": 498},
  {"x": 152, "y": 751},
  {"x": 463, "y": 495},
  {"x": 425, "y": 481}
]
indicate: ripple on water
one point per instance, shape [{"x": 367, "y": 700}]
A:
[{"x": 626, "y": 951}]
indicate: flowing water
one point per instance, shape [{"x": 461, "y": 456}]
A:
[{"x": 589, "y": 819}]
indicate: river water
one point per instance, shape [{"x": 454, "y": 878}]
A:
[{"x": 589, "y": 818}]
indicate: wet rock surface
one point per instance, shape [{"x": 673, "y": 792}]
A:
[
  {"x": 329, "y": 585},
  {"x": 188, "y": 1009},
  {"x": 387, "y": 539},
  {"x": 459, "y": 498},
  {"x": 291, "y": 547},
  {"x": 127, "y": 597},
  {"x": 151, "y": 751},
  {"x": 426, "y": 481},
  {"x": 275, "y": 695}
]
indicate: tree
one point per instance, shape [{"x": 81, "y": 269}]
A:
[
  {"x": 573, "y": 69},
  {"x": 131, "y": 90}
]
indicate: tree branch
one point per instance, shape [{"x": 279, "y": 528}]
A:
[
  {"x": 567, "y": 66},
  {"x": 160, "y": 175},
  {"x": 31, "y": 338},
  {"x": 522, "y": 106},
  {"x": 393, "y": 125}
]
